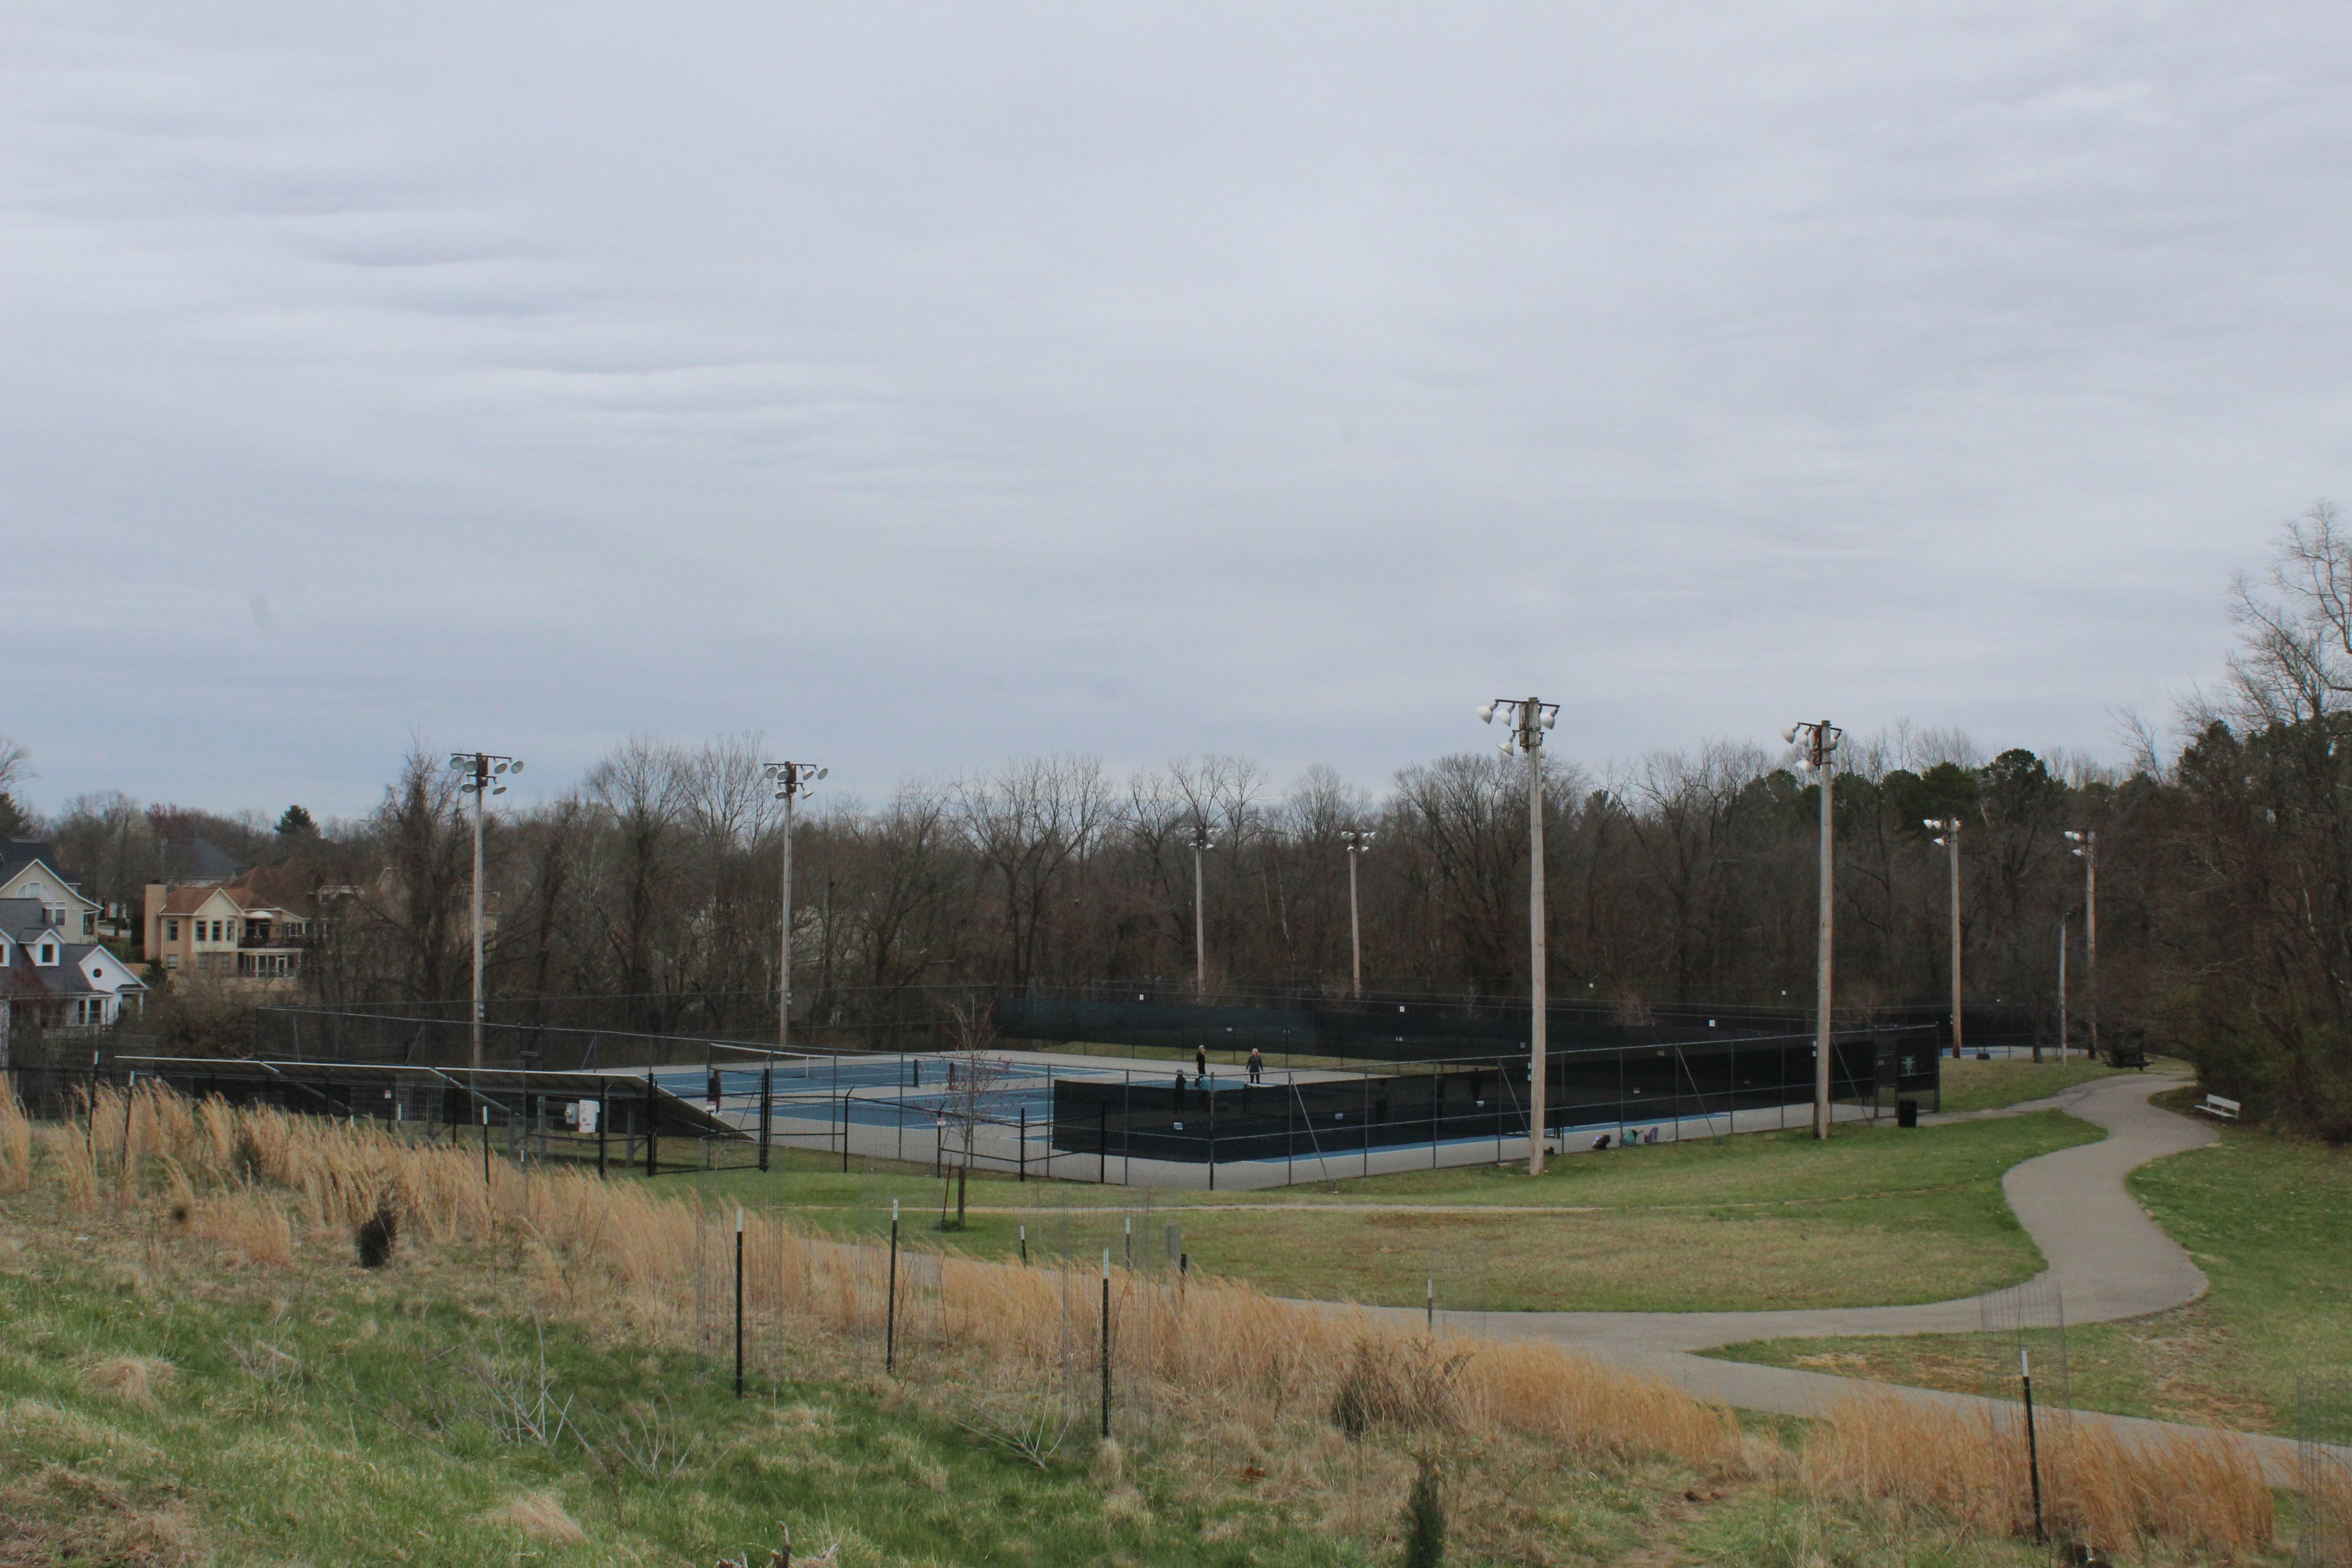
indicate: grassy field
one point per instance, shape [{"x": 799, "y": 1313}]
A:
[
  {"x": 2268, "y": 1219},
  {"x": 1973, "y": 1085},
  {"x": 186, "y": 1382},
  {"x": 1875, "y": 1215}
]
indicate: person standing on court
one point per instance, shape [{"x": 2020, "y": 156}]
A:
[
  {"x": 1199, "y": 1061},
  {"x": 1256, "y": 1066}
]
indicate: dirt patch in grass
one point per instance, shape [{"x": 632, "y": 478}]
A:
[{"x": 60, "y": 1515}]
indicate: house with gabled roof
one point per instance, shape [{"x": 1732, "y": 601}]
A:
[
  {"x": 28, "y": 871},
  {"x": 250, "y": 933},
  {"x": 67, "y": 985}
]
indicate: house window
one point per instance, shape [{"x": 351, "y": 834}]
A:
[
  {"x": 48, "y": 953},
  {"x": 171, "y": 931},
  {"x": 89, "y": 923},
  {"x": 171, "y": 961}
]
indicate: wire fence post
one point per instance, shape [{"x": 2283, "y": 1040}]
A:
[
  {"x": 604, "y": 1115},
  {"x": 1022, "y": 1152},
  {"x": 738, "y": 1301},
  {"x": 649, "y": 1121},
  {"x": 2032, "y": 1441},
  {"x": 891, "y": 1310},
  {"x": 1106, "y": 1344},
  {"x": 486, "y": 1146}
]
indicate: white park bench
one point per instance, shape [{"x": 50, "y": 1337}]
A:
[{"x": 2214, "y": 1105}]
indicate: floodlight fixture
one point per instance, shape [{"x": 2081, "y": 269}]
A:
[
  {"x": 483, "y": 771},
  {"x": 792, "y": 781},
  {"x": 1530, "y": 718}
]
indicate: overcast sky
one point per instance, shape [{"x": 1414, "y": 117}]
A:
[{"x": 923, "y": 386}]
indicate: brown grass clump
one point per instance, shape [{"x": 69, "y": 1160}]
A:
[
  {"x": 133, "y": 1379},
  {"x": 61, "y": 1515},
  {"x": 2098, "y": 1485},
  {"x": 15, "y": 1142},
  {"x": 251, "y": 1226},
  {"x": 540, "y": 1516}
]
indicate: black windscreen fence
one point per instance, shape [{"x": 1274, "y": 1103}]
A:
[
  {"x": 1416, "y": 1031},
  {"x": 1624, "y": 1091}
]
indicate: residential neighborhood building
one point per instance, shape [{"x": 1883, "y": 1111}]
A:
[
  {"x": 28, "y": 873},
  {"x": 249, "y": 932},
  {"x": 66, "y": 984}
]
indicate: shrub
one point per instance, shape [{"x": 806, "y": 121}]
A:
[{"x": 377, "y": 1235}]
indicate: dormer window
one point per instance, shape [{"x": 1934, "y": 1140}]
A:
[{"x": 48, "y": 953}]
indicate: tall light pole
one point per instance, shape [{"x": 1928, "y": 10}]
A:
[
  {"x": 1530, "y": 717},
  {"x": 1821, "y": 743},
  {"x": 1949, "y": 827},
  {"x": 2086, "y": 849},
  {"x": 791, "y": 780},
  {"x": 482, "y": 770},
  {"x": 1358, "y": 841},
  {"x": 1202, "y": 845}
]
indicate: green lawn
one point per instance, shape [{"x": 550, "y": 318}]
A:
[
  {"x": 2269, "y": 1218},
  {"x": 1874, "y": 1217},
  {"x": 1973, "y": 1085},
  {"x": 342, "y": 1418},
  {"x": 162, "y": 1409}
]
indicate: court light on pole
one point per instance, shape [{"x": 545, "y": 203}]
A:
[
  {"x": 1358, "y": 841},
  {"x": 1202, "y": 844},
  {"x": 483, "y": 771},
  {"x": 1949, "y": 830},
  {"x": 1529, "y": 717},
  {"x": 792, "y": 781},
  {"x": 2086, "y": 849},
  {"x": 1821, "y": 743}
]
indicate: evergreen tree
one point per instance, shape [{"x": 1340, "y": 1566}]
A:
[{"x": 296, "y": 823}]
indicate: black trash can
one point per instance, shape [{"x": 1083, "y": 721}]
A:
[{"x": 1906, "y": 1113}]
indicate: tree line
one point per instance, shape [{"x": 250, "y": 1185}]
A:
[{"x": 2225, "y": 874}]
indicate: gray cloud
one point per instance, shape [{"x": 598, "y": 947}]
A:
[{"x": 928, "y": 384}]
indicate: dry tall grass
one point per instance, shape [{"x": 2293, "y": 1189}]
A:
[
  {"x": 2098, "y": 1486},
  {"x": 621, "y": 1259},
  {"x": 15, "y": 1142}
]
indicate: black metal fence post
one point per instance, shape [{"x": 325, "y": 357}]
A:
[
  {"x": 650, "y": 1161},
  {"x": 738, "y": 1301},
  {"x": 603, "y": 1118},
  {"x": 1023, "y": 1153},
  {"x": 486, "y": 1145},
  {"x": 1106, "y": 1343},
  {"x": 767, "y": 1093},
  {"x": 2033, "y": 1443}
]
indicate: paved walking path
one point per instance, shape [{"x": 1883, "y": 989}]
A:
[{"x": 2109, "y": 1259}]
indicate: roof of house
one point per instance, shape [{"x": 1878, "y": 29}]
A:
[
  {"x": 288, "y": 885},
  {"x": 66, "y": 977},
  {"x": 27, "y": 919},
  {"x": 202, "y": 860},
  {"x": 17, "y": 855}
]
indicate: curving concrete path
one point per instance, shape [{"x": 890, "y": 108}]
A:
[{"x": 2109, "y": 1259}]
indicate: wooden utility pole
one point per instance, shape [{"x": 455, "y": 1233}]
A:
[
  {"x": 2086, "y": 849},
  {"x": 791, "y": 780},
  {"x": 1949, "y": 827},
  {"x": 1358, "y": 841},
  {"x": 1202, "y": 844},
  {"x": 1531, "y": 716},
  {"x": 1821, "y": 745}
]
